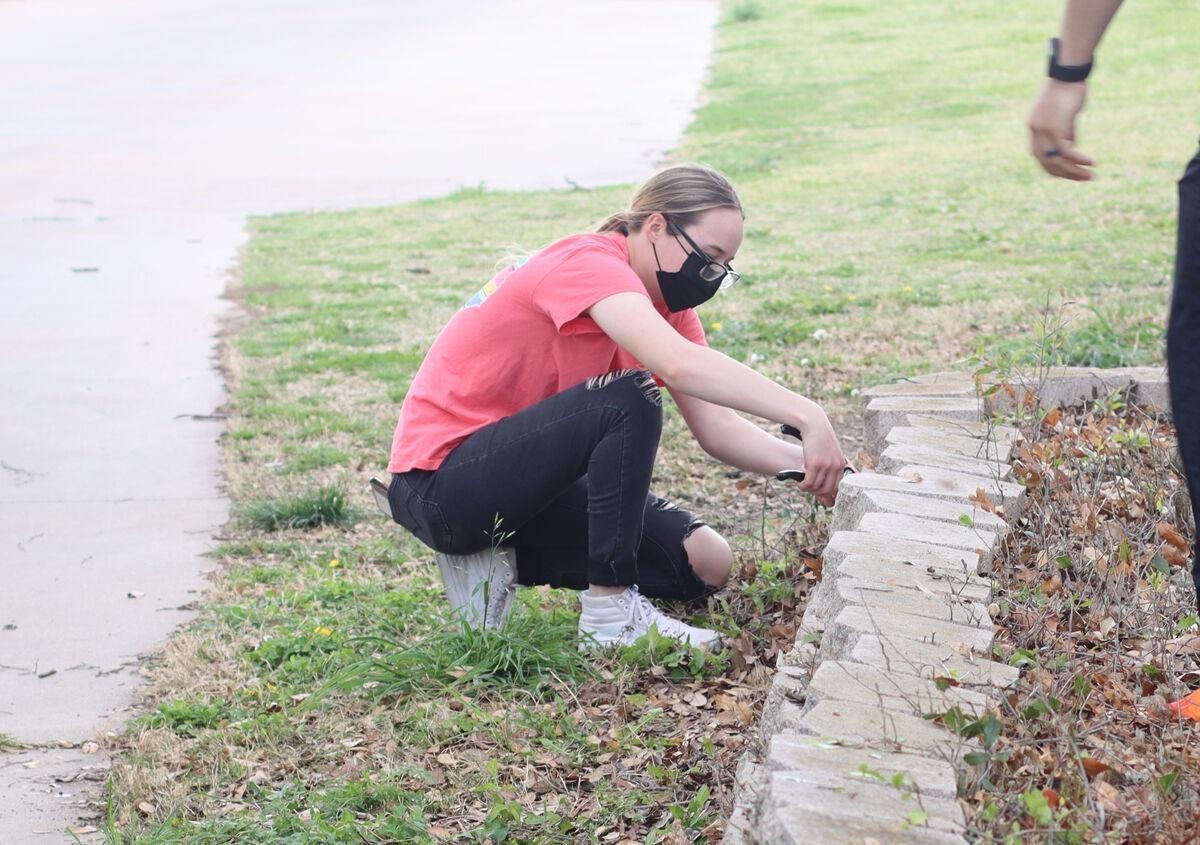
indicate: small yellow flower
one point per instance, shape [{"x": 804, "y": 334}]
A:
[
  {"x": 334, "y": 564},
  {"x": 907, "y": 289},
  {"x": 828, "y": 288},
  {"x": 716, "y": 327},
  {"x": 322, "y": 631},
  {"x": 850, "y": 297}
]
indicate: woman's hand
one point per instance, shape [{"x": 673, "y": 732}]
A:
[{"x": 824, "y": 462}]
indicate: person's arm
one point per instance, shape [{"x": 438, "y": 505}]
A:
[
  {"x": 1052, "y": 118},
  {"x": 734, "y": 440},
  {"x": 699, "y": 371}
]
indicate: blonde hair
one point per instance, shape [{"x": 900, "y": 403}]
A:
[{"x": 682, "y": 192}]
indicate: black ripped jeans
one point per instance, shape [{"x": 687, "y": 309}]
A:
[
  {"x": 565, "y": 483},
  {"x": 1183, "y": 339}
]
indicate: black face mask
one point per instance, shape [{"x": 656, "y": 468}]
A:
[{"x": 685, "y": 288}]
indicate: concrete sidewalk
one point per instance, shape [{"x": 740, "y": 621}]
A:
[{"x": 135, "y": 137}]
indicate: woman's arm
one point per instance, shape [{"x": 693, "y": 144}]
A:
[
  {"x": 704, "y": 373},
  {"x": 735, "y": 440}
]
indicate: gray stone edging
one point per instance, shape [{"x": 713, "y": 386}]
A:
[{"x": 848, "y": 756}]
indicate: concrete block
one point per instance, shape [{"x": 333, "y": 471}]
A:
[
  {"x": 909, "y": 576},
  {"x": 812, "y": 756},
  {"x": 850, "y": 509},
  {"x": 797, "y": 810},
  {"x": 842, "y": 544},
  {"x": 839, "y": 680},
  {"x": 944, "y": 606},
  {"x": 909, "y": 657},
  {"x": 903, "y": 527},
  {"x": 883, "y": 413},
  {"x": 937, "y": 483},
  {"x": 1056, "y": 387},
  {"x": 983, "y": 428},
  {"x": 953, "y": 384},
  {"x": 856, "y": 621},
  {"x": 897, "y": 455},
  {"x": 982, "y": 448},
  {"x": 1150, "y": 386},
  {"x": 784, "y": 704},
  {"x": 749, "y": 785},
  {"x": 868, "y": 724},
  {"x": 803, "y": 654}
]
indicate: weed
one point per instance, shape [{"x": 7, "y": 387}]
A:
[
  {"x": 186, "y": 718},
  {"x": 310, "y": 509},
  {"x": 744, "y": 11},
  {"x": 681, "y": 660},
  {"x": 530, "y": 651}
]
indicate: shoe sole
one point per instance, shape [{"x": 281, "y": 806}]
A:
[
  {"x": 589, "y": 642},
  {"x": 379, "y": 490}
]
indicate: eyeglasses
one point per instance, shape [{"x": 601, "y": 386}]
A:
[{"x": 712, "y": 270}]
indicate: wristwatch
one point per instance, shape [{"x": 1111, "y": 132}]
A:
[{"x": 1066, "y": 73}]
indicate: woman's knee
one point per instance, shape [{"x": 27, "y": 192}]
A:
[
  {"x": 644, "y": 390},
  {"x": 709, "y": 555}
]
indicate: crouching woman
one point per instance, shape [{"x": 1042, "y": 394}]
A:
[{"x": 534, "y": 421}]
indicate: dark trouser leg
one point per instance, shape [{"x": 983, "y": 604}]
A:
[
  {"x": 1183, "y": 338},
  {"x": 552, "y": 547},
  {"x": 502, "y": 476}
]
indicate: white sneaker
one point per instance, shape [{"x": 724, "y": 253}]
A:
[
  {"x": 479, "y": 587},
  {"x": 620, "y": 619}
]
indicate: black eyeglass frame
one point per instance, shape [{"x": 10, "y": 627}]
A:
[{"x": 728, "y": 276}]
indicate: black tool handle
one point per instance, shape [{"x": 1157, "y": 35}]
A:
[{"x": 797, "y": 475}]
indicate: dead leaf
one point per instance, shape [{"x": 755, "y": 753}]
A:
[
  {"x": 815, "y": 565},
  {"x": 1170, "y": 535},
  {"x": 1109, "y": 797},
  {"x": 1093, "y": 767},
  {"x": 1052, "y": 796},
  {"x": 147, "y": 808},
  {"x": 1179, "y": 646},
  {"x": 1187, "y": 707},
  {"x": 982, "y": 499},
  {"x": 1175, "y": 557}
]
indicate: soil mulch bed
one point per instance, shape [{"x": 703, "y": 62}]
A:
[{"x": 1095, "y": 604}]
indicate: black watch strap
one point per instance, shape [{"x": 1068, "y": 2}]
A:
[{"x": 1066, "y": 73}]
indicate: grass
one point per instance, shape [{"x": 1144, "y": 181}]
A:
[
  {"x": 895, "y": 225},
  {"x": 313, "y": 508}
]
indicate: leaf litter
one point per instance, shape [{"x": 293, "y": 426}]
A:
[{"x": 1096, "y": 605}]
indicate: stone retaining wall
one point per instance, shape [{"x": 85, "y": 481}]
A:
[{"x": 847, "y": 755}]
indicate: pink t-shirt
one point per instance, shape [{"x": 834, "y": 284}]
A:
[{"x": 523, "y": 338}]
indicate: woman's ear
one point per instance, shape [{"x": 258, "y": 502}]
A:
[{"x": 655, "y": 226}]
